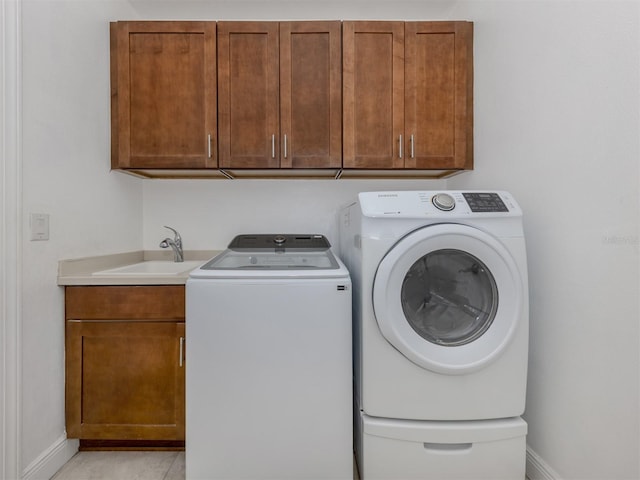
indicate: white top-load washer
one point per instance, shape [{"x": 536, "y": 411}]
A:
[
  {"x": 440, "y": 304},
  {"x": 269, "y": 372}
]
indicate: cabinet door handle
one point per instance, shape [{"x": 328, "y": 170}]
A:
[
  {"x": 273, "y": 146},
  {"x": 285, "y": 145},
  {"x": 209, "y": 146},
  {"x": 400, "y": 147},
  {"x": 181, "y": 357},
  {"x": 412, "y": 148}
]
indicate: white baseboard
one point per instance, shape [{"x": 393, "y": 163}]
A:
[
  {"x": 59, "y": 453},
  {"x": 538, "y": 469},
  {"x": 51, "y": 460}
]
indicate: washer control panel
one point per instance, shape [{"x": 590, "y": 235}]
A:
[
  {"x": 280, "y": 241},
  {"x": 438, "y": 204}
]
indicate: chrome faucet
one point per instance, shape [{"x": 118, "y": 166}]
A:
[{"x": 175, "y": 244}]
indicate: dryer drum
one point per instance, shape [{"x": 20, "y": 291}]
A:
[{"x": 449, "y": 297}]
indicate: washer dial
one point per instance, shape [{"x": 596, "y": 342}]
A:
[{"x": 443, "y": 201}]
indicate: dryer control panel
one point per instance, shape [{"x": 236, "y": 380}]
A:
[
  {"x": 485, "y": 202},
  {"x": 443, "y": 204}
]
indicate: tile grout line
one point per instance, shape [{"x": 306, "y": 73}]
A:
[{"x": 175, "y": 459}]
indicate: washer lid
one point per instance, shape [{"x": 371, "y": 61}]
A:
[
  {"x": 270, "y": 260},
  {"x": 274, "y": 256}
]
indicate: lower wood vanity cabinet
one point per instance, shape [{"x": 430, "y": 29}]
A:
[{"x": 125, "y": 369}]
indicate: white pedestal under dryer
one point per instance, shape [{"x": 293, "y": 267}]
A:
[
  {"x": 440, "y": 333},
  {"x": 269, "y": 376}
]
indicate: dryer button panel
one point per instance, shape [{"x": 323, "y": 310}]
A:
[{"x": 485, "y": 202}]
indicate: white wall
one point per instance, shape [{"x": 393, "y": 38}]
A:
[
  {"x": 556, "y": 105},
  {"x": 65, "y": 169},
  {"x": 557, "y": 95},
  {"x": 209, "y": 213},
  {"x": 9, "y": 238}
]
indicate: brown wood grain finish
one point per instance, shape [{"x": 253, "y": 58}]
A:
[
  {"x": 116, "y": 161},
  {"x": 164, "y": 94},
  {"x": 125, "y": 380},
  {"x": 162, "y": 302},
  {"x": 464, "y": 95},
  {"x": 311, "y": 94},
  {"x": 408, "y": 95},
  {"x": 439, "y": 95},
  {"x": 125, "y": 363},
  {"x": 373, "y": 83},
  {"x": 248, "y": 94},
  {"x": 379, "y": 95},
  {"x": 279, "y": 79}
]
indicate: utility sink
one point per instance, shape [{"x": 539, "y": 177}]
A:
[{"x": 153, "y": 268}]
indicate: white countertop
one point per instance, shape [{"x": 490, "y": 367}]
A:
[{"x": 82, "y": 271}]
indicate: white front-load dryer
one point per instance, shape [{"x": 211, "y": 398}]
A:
[{"x": 440, "y": 304}]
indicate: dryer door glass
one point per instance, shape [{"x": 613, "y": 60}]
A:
[{"x": 449, "y": 297}]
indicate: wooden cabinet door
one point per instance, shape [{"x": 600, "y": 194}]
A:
[
  {"x": 439, "y": 94},
  {"x": 163, "y": 94},
  {"x": 310, "y": 94},
  {"x": 125, "y": 380},
  {"x": 125, "y": 371},
  {"x": 248, "y": 94},
  {"x": 373, "y": 94}
]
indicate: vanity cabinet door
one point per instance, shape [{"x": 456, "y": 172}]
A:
[
  {"x": 125, "y": 369},
  {"x": 163, "y": 95}
]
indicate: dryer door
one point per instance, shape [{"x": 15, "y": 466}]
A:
[{"x": 448, "y": 297}]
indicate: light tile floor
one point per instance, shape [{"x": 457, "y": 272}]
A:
[
  {"x": 123, "y": 466},
  {"x": 129, "y": 466},
  {"x": 126, "y": 466}
]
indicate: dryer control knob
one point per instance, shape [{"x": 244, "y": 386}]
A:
[
  {"x": 443, "y": 201},
  {"x": 279, "y": 239}
]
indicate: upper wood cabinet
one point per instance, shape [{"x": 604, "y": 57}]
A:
[
  {"x": 408, "y": 95},
  {"x": 438, "y": 95},
  {"x": 279, "y": 94},
  {"x": 306, "y": 98},
  {"x": 373, "y": 82},
  {"x": 163, "y": 89},
  {"x": 248, "y": 95},
  {"x": 311, "y": 94}
]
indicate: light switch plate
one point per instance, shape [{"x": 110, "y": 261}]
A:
[{"x": 39, "y": 225}]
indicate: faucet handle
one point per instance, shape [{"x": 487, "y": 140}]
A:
[{"x": 176, "y": 236}]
